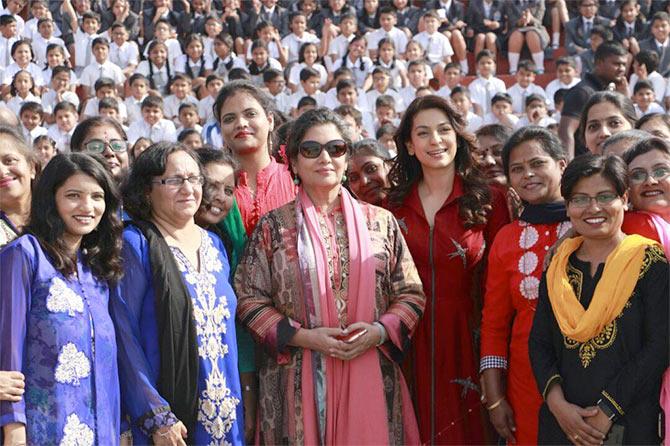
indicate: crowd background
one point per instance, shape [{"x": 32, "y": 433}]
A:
[{"x": 476, "y": 134}]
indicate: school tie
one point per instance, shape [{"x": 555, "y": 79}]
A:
[
  {"x": 6, "y": 53},
  {"x": 87, "y": 60},
  {"x": 587, "y": 29},
  {"x": 488, "y": 86}
]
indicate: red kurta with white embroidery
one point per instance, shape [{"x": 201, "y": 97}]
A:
[
  {"x": 513, "y": 279},
  {"x": 447, "y": 257}
]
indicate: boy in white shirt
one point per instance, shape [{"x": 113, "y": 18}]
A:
[
  {"x": 309, "y": 80},
  {"x": 83, "y": 41},
  {"x": 14, "y": 8},
  {"x": 381, "y": 81},
  {"x": 8, "y": 35},
  {"x": 452, "y": 77},
  {"x": 123, "y": 53},
  {"x": 66, "y": 121},
  {"x": 387, "y": 19},
  {"x": 436, "y": 45},
  {"x": 385, "y": 111},
  {"x": 31, "y": 116},
  {"x": 139, "y": 87},
  {"x": 152, "y": 125},
  {"x": 39, "y": 9},
  {"x": 348, "y": 94},
  {"x": 42, "y": 38},
  {"x": 180, "y": 86},
  {"x": 501, "y": 111},
  {"x": 416, "y": 74},
  {"x": 645, "y": 100},
  {"x": 460, "y": 97},
  {"x": 566, "y": 77},
  {"x": 213, "y": 84},
  {"x": 109, "y": 107},
  {"x": 102, "y": 67},
  {"x": 486, "y": 85},
  {"x": 645, "y": 64},
  {"x": 524, "y": 87},
  {"x": 59, "y": 91},
  {"x": 338, "y": 46},
  {"x": 298, "y": 36},
  {"x": 104, "y": 88},
  {"x": 536, "y": 113},
  {"x": 188, "y": 118},
  {"x": 276, "y": 84}
]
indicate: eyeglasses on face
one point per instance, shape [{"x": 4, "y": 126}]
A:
[
  {"x": 98, "y": 145},
  {"x": 583, "y": 200},
  {"x": 312, "y": 149},
  {"x": 195, "y": 180},
  {"x": 639, "y": 176}
]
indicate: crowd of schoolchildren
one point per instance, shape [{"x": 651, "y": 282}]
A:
[{"x": 157, "y": 66}]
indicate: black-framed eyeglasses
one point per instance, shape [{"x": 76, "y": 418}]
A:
[
  {"x": 312, "y": 149},
  {"x": 99, "y": 146},
  {"x": 195, "y": 180},
  {"x": 583, "y": 200},
  {"x": 639, "y": 176}
]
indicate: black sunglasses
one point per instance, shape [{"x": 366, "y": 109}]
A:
[{"x": 312, "y": 149}]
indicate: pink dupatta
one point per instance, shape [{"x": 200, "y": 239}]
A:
[
  {"x": 343, "y": 402},
  {"x": 663, "y": 230}
]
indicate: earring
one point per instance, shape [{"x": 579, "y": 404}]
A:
[
  {"x": 344, "y": 179},
  {"x": 296, "y": 180}
]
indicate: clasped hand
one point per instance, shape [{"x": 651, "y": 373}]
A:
[{"x": 325, "y": 340}]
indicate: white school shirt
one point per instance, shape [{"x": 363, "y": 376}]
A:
[
  {"x": 656, "y": 80},
  {"x": 293, "y": 43},
  {"x": 273, "y": 51},
  {"x": 62, "y": 138},
  {"x": 16, "y": 102},
  {"x": 361, "y": 68},
  {"x": 174, "y": 50},
  {"x": 6, "y": 50},
  {"x": 294, "y": 74},
  {"x": 163, "y": 130},
  {"x": 490, "y": 118},
  {"x": 180, "y": 66},
  {"x": 49, "y": 100},
  {"x": 134, "y": 108},
  {"x": 20, "y": 23},
  {"x": 205, "y": 109},
  {"x": 225, "y": 65},
  {"x": 124, "y": 55},
  {"x": 337, "y": 49},
  {"x": 40, "y": 45},
  {"x": 95, "y": 71},
  {"x": 197, "y": 128},
  {"x": 92, "y": 104},
  {"x": 544, "y": 122},
  {"x": 398, "y": 37},
  {"x": 160, "y": 75},
  {"x": 48, "y": 72},
  {"x": 474, "y": 122},
  {"x": 31, "y": 135},
  {"x": 554, "y": 86},
  {"x": 519, "y": 95},
  {"x": 172, "y": 103},
  {"x": 436, "y": 46},
  {"x": 282, "y": 102},
  {"x": 208, "y": 48},
  {"x": 408, "y": 94},
  {"x": 83, "y": 52},
  {"x": 372, "y": 95},
  {"x": 396, "y": 68},
  {"x": 332, "y": 101},
  {"x": 482, "y": 91},
  {"x": 653, "y": 108},
  {"x": 33, "y": 69},
  {"x": 30, "y": 30},
  {"x": 319, "y": 96}
]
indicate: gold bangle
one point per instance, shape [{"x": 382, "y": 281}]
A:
[{"x": 496, "y": 404}]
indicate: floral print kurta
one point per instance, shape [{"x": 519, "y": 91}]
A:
[{"x": 56, "y": 330}]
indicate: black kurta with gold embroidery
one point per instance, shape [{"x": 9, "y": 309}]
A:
[{"x": 622, "y": 366}]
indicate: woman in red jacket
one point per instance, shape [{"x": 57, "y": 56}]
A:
[
  {"x": 533, "y": 161},
  {"x": 449, "y": 215}
]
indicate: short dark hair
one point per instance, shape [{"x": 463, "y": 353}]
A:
[
  {"x": 152, "y": 101},
  {"x": 187, "y": 105},
  {"x": 385, "y": 100},
  {"x": 459, "y": 89},
  {"x": 370, "y": 147},
  {"x": 348, "y": 110},
  {"x": 239, "y": 74},
  {"x": 527, "y": 65},
  {"x": 100, "y": 41},
  {"x": 485, "y": 53},
  {"x": 643, "y": 84},
  {"x": 608, "y": 49},
  {"x": 498, "y": 132},
  {"x": 65, "y": 106},
  {"x": 90, "y": 15},
  {"x": 566, "y": 60},
  {"x": 211, "y": 78},
  {"x": 612, "y": 168},
  {"x": 186, "y": 133},
  {"x": 104, "y": 82},
  {"x": 547, "y": 140},
  {"x": 306, "y": 101},
  {"x": 501, "y": 97},
  {"x": 137, "y": 77},
  {"x": 6, "y": 19},
  {"x": 660, "y": 15},
  {"x": 108, "y": 103},
  {"x": 646, "y": 146},
  {"x": 82, "y": 130},
  {"x": 559, "y": 95},
  {"x": 32, "y": 107},
  {"x": 101, "y": 248},
  {"x": 534, "y": 97},
  {"x": 308, "y": 73},
  {"x": 309, "y": 119},
  {"x": 604, "y": 33},
  {"x": 387, "y": 9},
  {"x": 345, "y": 83},
  {"x": 271, "y": 74},
  {"x": 649, "y": 59}
]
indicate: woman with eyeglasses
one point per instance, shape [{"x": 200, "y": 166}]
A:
[
  {"x": 174, "y": 310},
  {"x": 449, "y": 215},
  {"x": 106, "y": 137},
  {"x": 328, "y": 287},
  {"x": 599, "y": 343},
  {"x": 55, "y": 327}
]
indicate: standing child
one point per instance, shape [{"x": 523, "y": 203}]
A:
[
  {"x": 435, "y": 44},
  {"x": 66, "y": 121},
  {"x": 192, "y": 63},
  {"x": 213, "y": 84},
  {"x": 486, "y": 85},
  {"x": 139, "y": 87},
  {"x": 298, "y": 36},
  {"x": 45, "y": 36},
  {"x": 337, "y": 47},
  {"x": 122, "y": 52},
  {"x": 100, "y": 68},
  {"x": 308, "y": 58},
  {"x": 180, "y": 86},
  {"x": 157, "y": 67},
  {"x": 32, "y": 116},
  {"x": 524, "y": 87},
  {"x": 22, "y": 90},
  {"x": 224, "y": 58},
  {"x": 386, "y": 57},
  {"x": 566, "y": 77},
  {"x": 152, "y": 125},
  {"x": 22, "y": 53},
  {"x": 645, "y": 99},
  {"x": 60, "y": 91},
  {"x": 388, "y": 20},
  {"x": 83, "y": 41}
]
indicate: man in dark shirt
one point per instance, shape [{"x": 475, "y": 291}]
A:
[{"x": 610, "y": 68}]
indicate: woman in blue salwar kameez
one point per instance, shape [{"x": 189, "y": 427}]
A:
[
  {"x": 179, "y": 383},
  {"x": 54, "y": 321}
]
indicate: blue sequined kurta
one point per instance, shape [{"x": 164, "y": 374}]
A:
[
  {"x": 220, "y": 415},
  {"x": 57, "y": 331}
]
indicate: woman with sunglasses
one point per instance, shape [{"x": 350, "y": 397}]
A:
[
  {"x": 106, "y": 137},
  {"x": 328, "y": 287},
  {"x": 174, "y": 310},
  {"x": 449, "y": 215},
  {"x": 599, "y": 343}
]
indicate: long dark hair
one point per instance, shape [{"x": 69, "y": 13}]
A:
[
  {"x": 101, "y": 248},
  {"x": 84, "y": 127},
  {"x": 475, "y": 203}
]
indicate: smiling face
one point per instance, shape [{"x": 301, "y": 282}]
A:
[
  {"x": 368, "y": 178},
  {"x": 101, "y": 52},
  {"x": 158, "y": 55},
  {"x": 194, "y": 50},
  {"x": 535, "y": 175},
  {"x": 244, "y": 124},
  {"x": 30, "y": 119},
  {"x": 596, "y": 221},
  {"x": 22, "y": 55},
  {"x": 652, "y": 195},
  {"x": 603, "y": 120},
  {"x": 16, "y": 173},
  {"x": 177, "y": 204},
  {"x": 80, "y": 203},
  {"x": 488, "y": 156},
  {"x": 565, "y": 73},
  {"x": 152, "y": 115},
  {"x": 433, "y": 140},
  {"x": 55, "y": 57},
  {"x": 221, "y": 188},
  {"x": 117, "y": 162},
  {"x": 324, "y": 171},
  {"x": 644, "y": 97}
]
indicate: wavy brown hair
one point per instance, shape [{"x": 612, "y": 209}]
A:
[{"x": 474, "y": 205}]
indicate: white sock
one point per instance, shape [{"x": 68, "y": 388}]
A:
[
  {"x": 464, "y": 66},
  {"x": 538, "y": 58},
  {"x": 513, "y": 61},
  {"x": 556, "y": 39}
]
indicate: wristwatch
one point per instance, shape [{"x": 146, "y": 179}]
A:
[{"x": 606, "y": 409}]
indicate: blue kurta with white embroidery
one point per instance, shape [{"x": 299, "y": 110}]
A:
[
  {"x": 219, "y": 418},
  {"x": 57, "y": 331}
]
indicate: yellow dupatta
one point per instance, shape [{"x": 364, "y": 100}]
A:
[{"x": 612, "y": 292}]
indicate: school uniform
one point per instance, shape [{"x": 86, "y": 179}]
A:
[
  {"x": 222, "y": 67},
  {"x": 656, "y": 80},
  {"x": 39, "y": 45},
  {"x": 47, "y": 74},
  {"x": 16, "y": 102},
  {"x": 294, "y": 74},
  {"x": 134, "y": 108},
  {"x": 554, "y": 86},
  {"x": 337, "y": 49},
  {"x": 372, "y": 95},
  {"x": 6, "y": 50},
  {"x": 519, "y": 95},
  {"x": 319, "y": 96},
  {"x": 282, "y": 102},
  {"x": 361, "y": 68},
  {"x": 436, "y": 46},
  {"x": 482, "y": 91},
  {"x": 293, "y": 43},
  {"x": 474, "y": 122},
  {"x": 83, "y": 49},
  {"x": 31, "y": 135},
  {"x": 13, "y": 68},
  {"x": 97, "y": 70},
  {"x": 61, "y": 138},
  {"x": 93, "y": 103},
  {"x": 578, "y": 32},
  {"x": 653, "y": 108},
  {"x": 163, "y": 130},
  {"x": 49, "y": 100},
  {"x": 158, "y": 77},
  {"x": 174, "y": 50},
  {"x": 194, "y": 68},
  {"x": 123, "y": 56},
  {"x": 172, "y": 103},
  {"x": 397, "y": 67},
  {"x": 663, "y": 51},
  {"x": 490, "y": 118},
  {"x": 398, "y": 37},
  {"x": 197, "y": 128}
]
